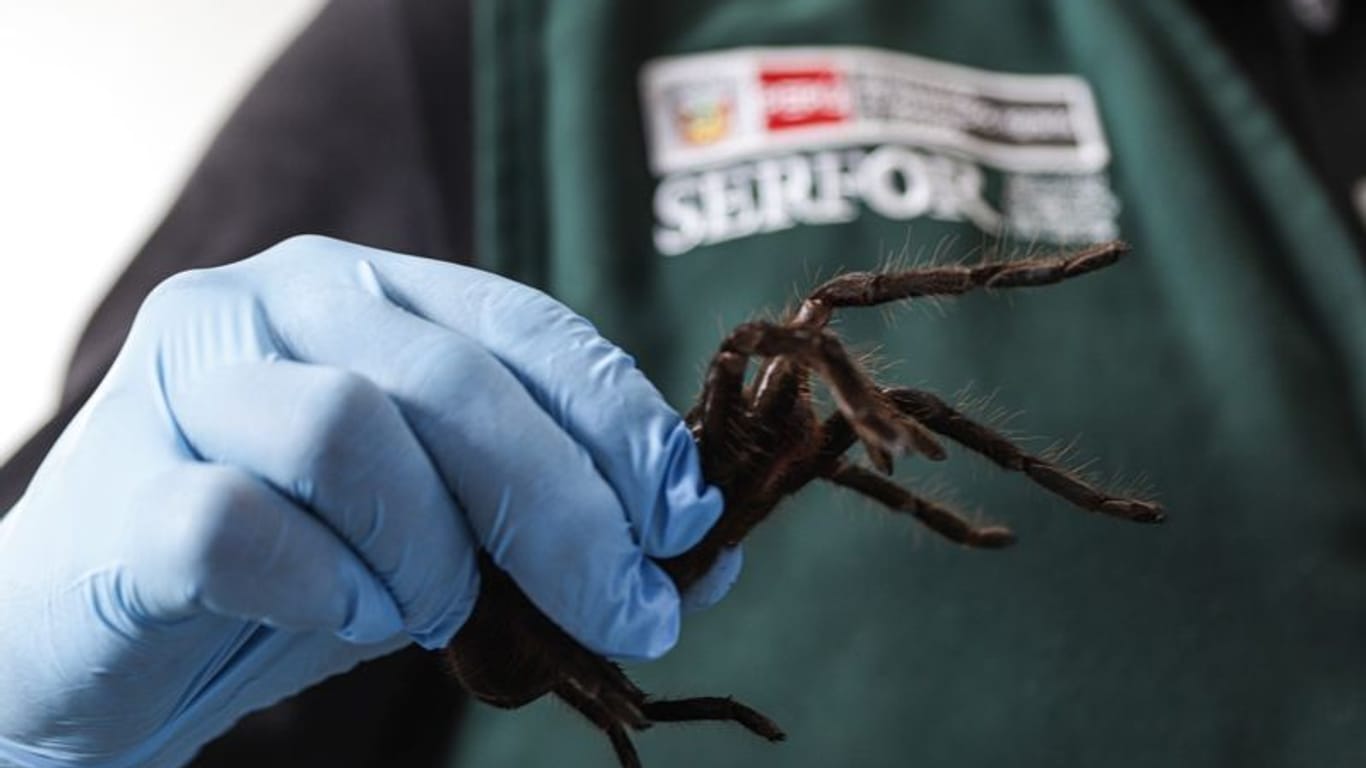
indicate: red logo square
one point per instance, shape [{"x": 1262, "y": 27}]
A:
[{"x": 798, "y": 97}]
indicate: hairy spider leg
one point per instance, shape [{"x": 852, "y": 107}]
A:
[
  {"x": 858, "y": 398},
  {"x": 713, "y": 708},
  {"x": 780, "y": 405},
  {"x": 606, "y": 683},
  {"x": 720, "y": 418},
  {"x": 867, "y": 289},
  {"x": 930, "y": 410},
  {"x": 725, "y": 378},
  {"x": 665, "y": 710},
  {"x": 599, "y": 715},
  {"x": 592, "y": 684},
  {"x": 931, "y": 514},
  {"x": 762, "y": 475},
  {"x": 603, "y": 693}
]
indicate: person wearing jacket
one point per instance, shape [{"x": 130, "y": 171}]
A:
[{"x": 287, "y": 463}]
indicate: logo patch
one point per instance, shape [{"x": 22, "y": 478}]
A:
[
  {"x": 794, "y": 98},
  {"x": 754, "y": 140},
  {"x": 700, "y": 113}
]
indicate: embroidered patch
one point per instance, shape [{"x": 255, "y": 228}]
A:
[{"x": 753, "y": 140}]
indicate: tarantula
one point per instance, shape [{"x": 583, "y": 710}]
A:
[{"x": 761, "y": 440}]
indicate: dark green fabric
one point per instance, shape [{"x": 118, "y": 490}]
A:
[{"x": 1225, "y": 360}]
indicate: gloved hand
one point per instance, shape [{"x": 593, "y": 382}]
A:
[{"x": 289, "y": 470}]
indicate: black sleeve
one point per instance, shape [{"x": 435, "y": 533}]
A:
[
  {"x": 360, "y": 130},
  {"x": 1313, "y": 76}
]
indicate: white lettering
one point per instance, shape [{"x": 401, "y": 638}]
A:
[
  {"x": 680, "y": 227},
  {"x": 815, "y": 192},
  {"x": 896, "y": 182}
]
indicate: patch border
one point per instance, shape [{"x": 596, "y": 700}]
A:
[{"x": 742, "y": 66}]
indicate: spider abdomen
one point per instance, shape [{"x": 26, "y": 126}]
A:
[{"x": 506, "y": 653}]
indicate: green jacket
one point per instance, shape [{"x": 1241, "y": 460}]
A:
[{"x": 672, "y": 171}]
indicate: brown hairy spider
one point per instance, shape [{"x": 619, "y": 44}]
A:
[{"x": 760, "y": 442}]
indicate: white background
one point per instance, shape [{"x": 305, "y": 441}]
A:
[{"x": 104, "y": 109}]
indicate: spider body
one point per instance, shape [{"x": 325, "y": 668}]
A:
[{"x": 761, "y": 439}]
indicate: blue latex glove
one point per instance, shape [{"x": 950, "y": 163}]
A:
[{"x": 289, "y": 470}]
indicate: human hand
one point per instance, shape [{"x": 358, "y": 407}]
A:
[{"x": 290, "y": 469}]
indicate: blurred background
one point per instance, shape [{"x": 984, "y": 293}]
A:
[{"x": 104, "y": 109}]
